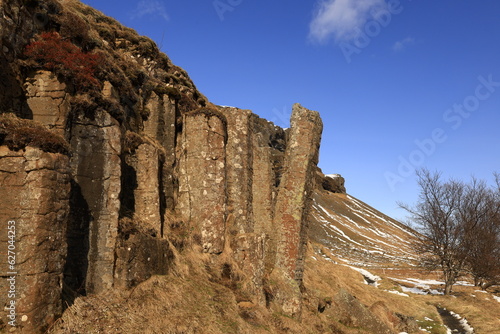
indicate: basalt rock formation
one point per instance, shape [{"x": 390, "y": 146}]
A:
[
  {"x": 333, "y": 183},
  {"x": 110, "y": 181}
]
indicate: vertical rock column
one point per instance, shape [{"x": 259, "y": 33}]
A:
[
  {"x": 247, "y": 244},
  {"x": 263, "y": 189},
  {"x": 34, "y": 196},
  {"x": 161, "y": 126},
  {"x": 293, "y": 200},
  {"x": 48, "y": 100},
  {"x": 202, "y": 180},
  {"x": 239, "y": 170},
  {"x": 96, "y": 169},
  {"x": 147, "y": 193}
]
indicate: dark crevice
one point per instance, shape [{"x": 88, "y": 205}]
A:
[
  {"x": 129, "y": 184},
  {"x": 77, "y": 237},
  {"x": 163, "y": 197}
]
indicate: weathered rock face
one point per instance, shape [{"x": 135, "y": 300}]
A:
[
  {"x": 144, "y": 167},
  {"x": 48, "y": 100},
  {"x": 355, "y": 314},
  {"x": 294, "y": 196},
  {"x": 202, "y": 181},
  {"x": 140, "y": 254},
  {"x": 239, "y": 173},
  {"x": 333, "y": 183},
  {"x": 18, "y": 23},
  {"x": 34, "y": 205},
  {"x": 96, "y": 168},
  {"x": 295, "y": 189},
  {"x": 152, "y": 171}
]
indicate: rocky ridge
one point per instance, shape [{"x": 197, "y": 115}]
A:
[{"x": 150, "y": 171}]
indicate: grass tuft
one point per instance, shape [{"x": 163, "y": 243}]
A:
[{"x": 17, "y": 133}]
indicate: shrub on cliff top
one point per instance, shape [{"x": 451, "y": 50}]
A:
[
  {"x": 17, "y": 133},
  {"x": 65, "y": 58}
]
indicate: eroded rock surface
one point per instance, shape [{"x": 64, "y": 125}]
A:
[
  {"x": 202, "y": 184},
  {"x": 153, "y": 169},
  {"x": 34, "y": 193},
  {"x": 48, "y": 100},
  {"x": 334, "y": 183},
  {"x": 96, "y": 168},
  {"x": 294, "y": 199}
]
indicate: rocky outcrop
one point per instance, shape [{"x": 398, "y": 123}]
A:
[
  {"x": 34, "y": 206},
  {"x": 333, "y": 183},
  {"x": 140, "y": 254},
  {"x": 355, "y": 315},
  {"x": 202, "y": 179},
  {"x": 152, "y": 170},
  {"x": 96, "y": 169},
  {"x": 48, "y": 100},
  {"x": 141, "y": 170},
  {"x": 294, "y": 197}
]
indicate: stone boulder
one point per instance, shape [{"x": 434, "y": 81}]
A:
[
  {"x": 354, "y": 314},
  {"x": 334, "y": 183}
]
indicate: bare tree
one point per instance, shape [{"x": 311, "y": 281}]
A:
[
  {"x": 440, "y": 242},
  {"x": 459, "y": 225},
  {"x": 483, "y": 239}
]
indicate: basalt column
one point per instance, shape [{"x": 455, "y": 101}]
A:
[
  {"x": 34, "y": 207},
  {"x": 96, "y": 168},
  {"x": 293, "y": 201},
  {"x": 161, "y": 125},
  {"x": 202, "y": 180}
]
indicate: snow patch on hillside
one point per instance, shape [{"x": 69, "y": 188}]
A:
[
  {"x": 398, "y": 293},
  {"x": 420, "y": 287},
  {"x": 370, "y": 279}
]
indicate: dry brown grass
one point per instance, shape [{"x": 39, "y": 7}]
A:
[
  {"x": 17, "y": 133},
  {"x": 481, "y": 311},
  {"x": 196, "y": 297}
]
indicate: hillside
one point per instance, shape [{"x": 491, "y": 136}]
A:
[
  {"x": 135, "y": 205},
  {"x": 358, "y": 234},
  {"x": 357, "y": 240}
]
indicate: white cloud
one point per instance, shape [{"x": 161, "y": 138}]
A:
[
  {"x": 150, "y": 7},
  {"x": 402, "y": 44},
  {"x": 342, "y": 19}
]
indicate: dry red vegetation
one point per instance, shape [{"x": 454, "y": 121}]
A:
[{"x": 62, "y": 56}]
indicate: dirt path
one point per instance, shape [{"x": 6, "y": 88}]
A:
[{"x": 451, "y": 321}]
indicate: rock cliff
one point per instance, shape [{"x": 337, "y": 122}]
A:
[{"x": 112, "y": 177}]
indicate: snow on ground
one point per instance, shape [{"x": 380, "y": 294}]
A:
[
  {"x": 370, "y": 279},
  {"x": 414, "y": 290},
  {"x": 425, "y": 282},
  {"x": 463, "y": 322},
  {"x": 325, "y": 214},
  {"x": 464, "y": 283},
  {"x": 420, "y": 287},
  {"x": 496, "y": 298},
  {"x": 481, "y": 291},
  {"x": 398, "y": 293}
]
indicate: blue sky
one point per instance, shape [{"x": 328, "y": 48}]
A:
[{"x": 399, "y": 84}]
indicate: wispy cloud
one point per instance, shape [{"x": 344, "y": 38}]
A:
[
  {"x": 402, "y": 44},
  {"x": 150, "y": 7},
  {"x": 341, "y": 19}
]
